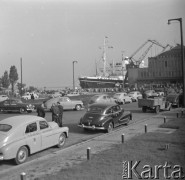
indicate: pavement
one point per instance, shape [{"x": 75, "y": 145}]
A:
[{"x": 75, "y": 154}]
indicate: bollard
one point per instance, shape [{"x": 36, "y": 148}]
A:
[
  {"x": 166, "y": 146},
  {"x": 88, "y": 153},
  {"x": 177, "y": 115},
  {"x": 122, "y": 138},
  {"x": 145, "y": 128},
  {"x": 23, "y": 176},
  {"x": 164, "y": 119}
]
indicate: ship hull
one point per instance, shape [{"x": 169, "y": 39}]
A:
[{"x": 99, "y": 83}]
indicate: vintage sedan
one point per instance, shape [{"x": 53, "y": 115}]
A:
[
  {"x": 101, "y": 98},
  {"x": 65, "y": 102},
  {"x": 23, "y": 135},
  {"x": 104, "y": 117},
  {"x": 14, "y": 105}
]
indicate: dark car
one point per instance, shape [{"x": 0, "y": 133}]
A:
[
  {"x": 101, "y": 116},
  {"x": 175, "y": 99},
  {"x": 14, "y": 105}
]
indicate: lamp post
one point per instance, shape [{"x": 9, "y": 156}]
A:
[
  {"x": 74, "y": 75},
  {"x": 182, "y": 56}
]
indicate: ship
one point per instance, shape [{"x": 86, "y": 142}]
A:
[{"x": 110, "y": 76}]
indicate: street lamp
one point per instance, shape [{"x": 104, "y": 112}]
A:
[
  {"x": 74, "y": 75},
  {"x": 182, "y": 56}
]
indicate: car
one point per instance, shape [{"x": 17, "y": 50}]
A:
[
  {"x": 122, "y": 98},
  {"x": 28, "y": 95},
  {"x": 101, "y": 98},
  {"x": 175, "y": 99},
  {"x": 135, "y": 95},
  {"x": 3, "y": 97},
  {"x": 16, "y": 105},
  {"x": 66, "y": 102},
  {"x": 149, "y": 93},
  {"x": 101, "y": 116},
  {"x": 23, "y": 135}
]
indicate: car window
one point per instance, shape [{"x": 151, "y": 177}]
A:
[
  {"x": 43, "y": 124},
  {"x": 31, "y": 127},
  {"x": 6, "y": 102},
  {"x": 5, "y": 127}
]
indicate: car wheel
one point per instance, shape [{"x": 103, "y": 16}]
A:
[
  {"x": 22, "y": 155},
  {"x": 78, "y": 107},
  {"x": 110, "y": 127},
  {"x": 61, "y": 140},
  {"x": 157, "y": 109},
  {"x": 22, "y": 110}
]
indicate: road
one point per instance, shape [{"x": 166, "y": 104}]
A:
[{"x": 76, "y": 134}]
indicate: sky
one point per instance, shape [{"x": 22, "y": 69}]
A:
[{"x": 50, "y": 34}]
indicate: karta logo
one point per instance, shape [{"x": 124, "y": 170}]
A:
[{"x": 151, "y": 172}]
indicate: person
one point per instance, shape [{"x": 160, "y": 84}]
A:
[
  {"x": 55, "y": 113},
  {"x": 60, "y": 107},
  {"x": 40, "y": 110}
]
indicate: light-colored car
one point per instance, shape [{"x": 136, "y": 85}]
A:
[
  {"x": 23, "y": 135},
  {"x": 28, "y": 96},
  {"x": 101, "y": 98},
  {"x": 3, "y": 97},
  {"x": 66, "y": 102},
  {"x": 135, "y": 95},
  {"x": 122, "y": 98}
]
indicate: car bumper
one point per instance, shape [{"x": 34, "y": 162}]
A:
[{"x": 93, "y": 127}]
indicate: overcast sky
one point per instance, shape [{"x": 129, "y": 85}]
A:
[{"x": 49, "y": 34}]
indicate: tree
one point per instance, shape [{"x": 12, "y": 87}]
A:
[
  {"x": 13, "y": 76},
  {"x": 5, "y": 80},
  {"x": 19, "y": 87}
]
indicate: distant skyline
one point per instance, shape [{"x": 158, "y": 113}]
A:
[{"x": 50, "y": 34}]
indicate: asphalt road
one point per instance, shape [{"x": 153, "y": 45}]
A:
[{"x": 76, "y": 134}]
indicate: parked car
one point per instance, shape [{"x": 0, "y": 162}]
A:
[
  {"x": 66, "y": 102},
  {"x": 122, "y": 98},
  {"x": 175, "y": 99},
  {"x": 135, "y": 95},
  {"x": 3, "y": 97},
  {"x": 13, "y": 105},
  {"x": 28, "y": 95},
  {"x": 101, "y": 98},
  {"x": 23, "y": 135},
  {"x": 101, "y": 116}
]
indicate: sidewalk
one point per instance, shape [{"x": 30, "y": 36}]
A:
[{"x": 77, "y": 153}]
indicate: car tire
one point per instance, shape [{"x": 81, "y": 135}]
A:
[
  {"x": 61, "y": 140},
  {"x": 78, "y": 107},
  {"x": 22, "y": 155},
  {"x": 22, "y": 110},
  {"x": 110, "y": 127}
]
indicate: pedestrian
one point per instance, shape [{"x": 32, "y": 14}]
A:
[
  {"x": 32, "y": 97},
  {"x": 55, "y": 113},
  {"x": 40, "y": 110},
  {"x": 60, "y": 107}
]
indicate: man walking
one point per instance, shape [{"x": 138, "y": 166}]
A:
[
  {"x": 55, "y": 113},
  {"x": 60, "y": 107},
  {"x": 40, "y": 110}
]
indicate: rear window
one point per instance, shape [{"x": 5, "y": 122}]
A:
[
  {"x": 5, "y": 127},
  {"x": 95, "y": 109}
]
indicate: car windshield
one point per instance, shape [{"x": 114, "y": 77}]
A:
[
  {"x": 5, "y": 127},
  {"x": 95, "y": 109}
]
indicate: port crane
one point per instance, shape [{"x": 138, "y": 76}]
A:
[{"x": 133, "y": 63}]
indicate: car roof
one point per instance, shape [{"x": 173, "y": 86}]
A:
[
  {"x": 16, "y": 121},
  {"x": 103, "y": 105}
]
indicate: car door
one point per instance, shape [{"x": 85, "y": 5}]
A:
[
  {"x": 48, "y": 138},
  {"x": 33, "y": 138},
  {"x": 116, "y": 114}
]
